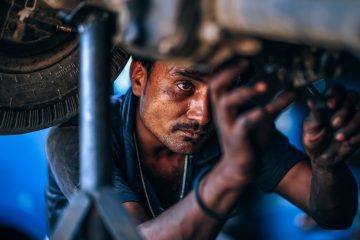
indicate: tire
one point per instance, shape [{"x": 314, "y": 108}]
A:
[{"x": 39, "y": 77}]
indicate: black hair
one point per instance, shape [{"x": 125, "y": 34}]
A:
[{"x": 147, "y": 63}]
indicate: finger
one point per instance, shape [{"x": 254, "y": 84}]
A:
[
  {"x": 313, "y": 134},
  {"x": 346, "y": 111},
  {"x": 335, "y": 97},
  {"x": 256, "y": 126},
  {"x": 317, "y": 115},
  {"x": 347, "y": 148},
  {"x": 251, "y": 119},
  {"x": 280, "y": 102},
  {"x": 351, "y": 129},
  {"x": 242, "y": 95},
  {"x": 224, "y": 79},
  {"x": 336, "y": 152},
  {"x": 354, "y": 141},
  {"x": 328, "y": 156},
  {"x": 231, "y": 104}
]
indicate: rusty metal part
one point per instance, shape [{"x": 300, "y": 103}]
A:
[
  {"x": 210, "y": 31},
  {"x": 62, "y": 4},
  {"x": 27, "y": 31},
  {"x": 158, "y": 32},
  {"x": 65, "y": 28},
  {"x": 297, "y": 65}
]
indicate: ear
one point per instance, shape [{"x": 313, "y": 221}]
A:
[{"x": 138, "y": 76}]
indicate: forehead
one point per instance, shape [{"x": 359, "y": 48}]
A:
[{"x": 172, "y": 69}]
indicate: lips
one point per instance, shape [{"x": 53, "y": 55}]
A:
[{"x": 192, "y": 133}]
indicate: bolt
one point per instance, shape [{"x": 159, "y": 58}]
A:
[
  {"x": 210, "y": 32},
  {"x": 249, "y": 46}
]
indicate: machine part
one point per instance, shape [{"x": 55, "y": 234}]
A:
[
  {"x": 95, "y": 47},
  {"x": 39, "y": 67},
  {"x": 62, "y": 4},
  {"x": 333, "y": 24},
  {"x": 95, "y": 212},
  {"x": 298, "y": 65},
  {"x": 70, "y": 223},
  {"x": 210, "y": 31},
  {"x": 159, "y": 28}
]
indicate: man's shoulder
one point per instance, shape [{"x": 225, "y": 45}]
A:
[
  {"x": 123, "y": 103},
  {"x": 117, "y": 99},
  {"x": 122, "y": 108}
]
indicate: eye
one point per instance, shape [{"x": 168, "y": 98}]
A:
[{"x": 185, "y": 86}]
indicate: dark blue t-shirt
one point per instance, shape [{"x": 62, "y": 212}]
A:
[{"x": 62, "y": 152}]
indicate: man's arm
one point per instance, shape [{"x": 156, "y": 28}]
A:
[
  {"x": 326, "y": 188},
  {"x": 185, "y": 220},
  {"x": 329, "y": 196}
]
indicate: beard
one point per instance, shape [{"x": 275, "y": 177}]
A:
[{"x": 185, "y": 144}]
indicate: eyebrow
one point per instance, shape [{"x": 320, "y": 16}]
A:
[{"x": 191, "y": 73}]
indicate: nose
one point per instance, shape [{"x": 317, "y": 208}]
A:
[{"x": 199, "y": 109}]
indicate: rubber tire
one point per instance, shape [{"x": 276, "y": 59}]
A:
[{"x": 39, "y": 99}]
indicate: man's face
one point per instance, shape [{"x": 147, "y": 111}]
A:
[{"x": 174, "y": 107}]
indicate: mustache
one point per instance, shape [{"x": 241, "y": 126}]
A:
[{"x": 191, "y": 126}]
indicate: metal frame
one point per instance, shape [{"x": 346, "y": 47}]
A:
[{"x": 95, "y": 212}]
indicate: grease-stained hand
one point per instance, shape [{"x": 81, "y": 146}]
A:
[
  {"x": 331, "y": 138},
  {"x": 243, "y": 131}
]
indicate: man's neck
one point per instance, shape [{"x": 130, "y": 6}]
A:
[{"x": 156, "y": 157}]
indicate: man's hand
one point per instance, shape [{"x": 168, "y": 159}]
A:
[
  {"x": 330, "y": 138},
  {"x": 243, "y": 127}
]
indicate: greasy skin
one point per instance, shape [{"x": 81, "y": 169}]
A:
[
  {"x": 173, "y": 118},
  {"x": 174, "y": 108}
]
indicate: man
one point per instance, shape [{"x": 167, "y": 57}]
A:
[{"x": 164, "y": 140}]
